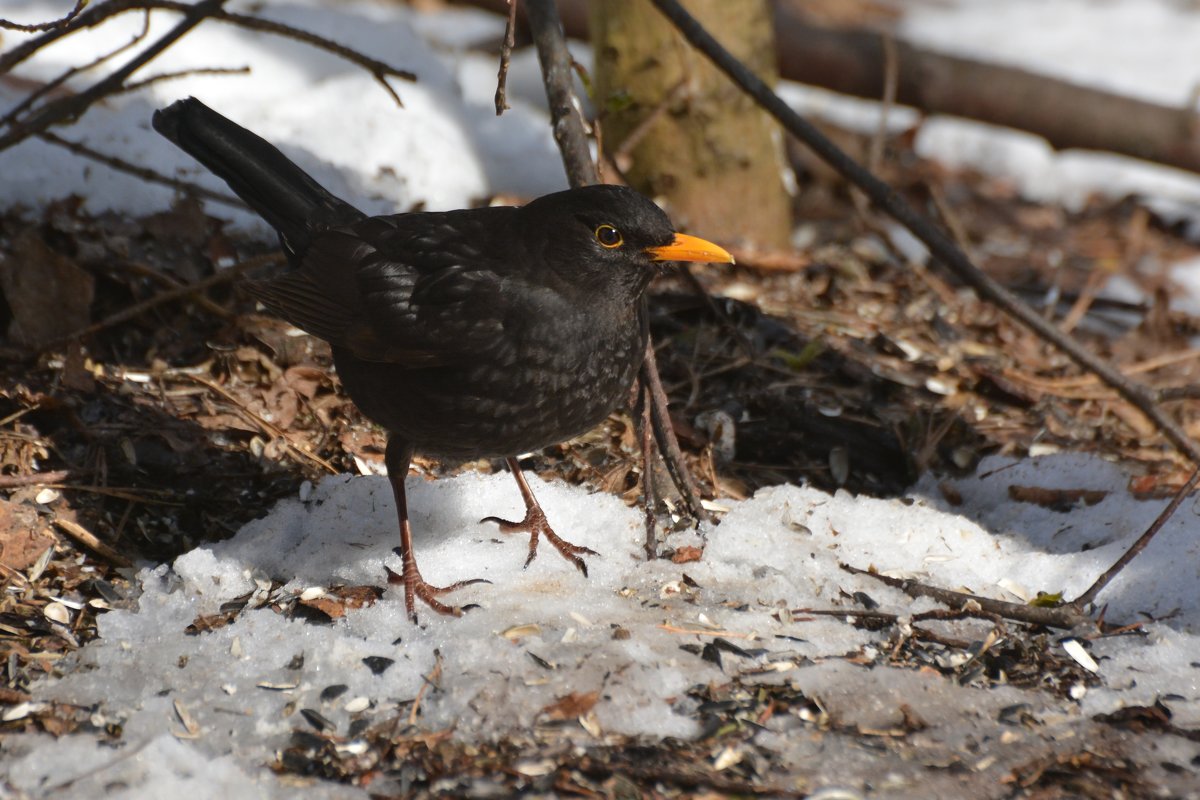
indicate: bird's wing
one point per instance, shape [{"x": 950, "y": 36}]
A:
[
  {"x": 432, "y": 288},
  {"x": 413, "y": 289}
]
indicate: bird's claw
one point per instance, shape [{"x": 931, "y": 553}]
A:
[
  {"x": 536, "y": 525},
  {"x": 415, "y": 587}
]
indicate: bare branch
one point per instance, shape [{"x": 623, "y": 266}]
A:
[
  {"x": 43, "y": 26},
  {"x": 73, "y": 106},
  {"x": 144, "y": 173},
  {"x": 1090, "y": 595},
  {"x": 510, "y": 39}
]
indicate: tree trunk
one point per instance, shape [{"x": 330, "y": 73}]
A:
[{"x": 698, "y": 143}]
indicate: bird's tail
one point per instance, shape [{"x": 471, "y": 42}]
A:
[{"x": 282, "y": 193}]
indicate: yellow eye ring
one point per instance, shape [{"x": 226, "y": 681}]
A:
[{"x": 608, "y": 236}]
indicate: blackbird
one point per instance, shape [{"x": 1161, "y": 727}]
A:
[{"x": 478, "y": 333}]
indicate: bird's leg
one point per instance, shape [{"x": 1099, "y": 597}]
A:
[
  {"x": 397, "y": 457},
  {"x": 535, "y": 524}
]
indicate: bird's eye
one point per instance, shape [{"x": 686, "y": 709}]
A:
[{"x": 608, "y": 236}]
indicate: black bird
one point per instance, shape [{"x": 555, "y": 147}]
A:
[{"x": 478, "y": 333}]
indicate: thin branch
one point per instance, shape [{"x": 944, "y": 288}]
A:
[
  {"x": 35, "y": 479},
  {"x": 144, "y": 173},
  {"x": 51, "y": 85},
  {"x": 73, "y": 106},
  {"x": 183, "y": 73},
  {"x": 1064, "y": 617},
  {"x": 642, "y": 414},
  {"x": 567, "y": 119},
  {"x": 44, "y": 26},
  {"x": 298, "y": 452},
  {"x": 91, "y": 541},
  {"x": 178, "y": 293},
  {"x": 1090, "y": 595},
  {"x": 510, "y": 39},
  {"x": 664, "y": 434},
  {"x": 98, "y": 14},
  {"x": 160, "y": 277}
]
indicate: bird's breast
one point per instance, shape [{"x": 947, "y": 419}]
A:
[{"x": 542, "y": 382}]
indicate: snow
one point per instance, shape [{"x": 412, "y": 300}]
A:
[
  {"x": 444, "y": 149},
  {"x": 202, "y": 715},
  {"x": 242, "y": 684},
  {"x": 1146, "y": 50}
]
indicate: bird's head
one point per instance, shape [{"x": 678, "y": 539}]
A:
[{"x": 611, "y": 237}]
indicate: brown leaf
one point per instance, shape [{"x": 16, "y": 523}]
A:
[
  {"x": 210, "y": 622},
  {"x": 686, "y": 554},
  {"x": 22, "y": 538},
  {"x": 341, "y": 599},
  {"x": 573, "y": 706},
  {"x": 305, "y": 380},
  {"x": 1062, "y": 500},
  {"x": 50, "y": 296},
  {"x": 222, "y": 422}
]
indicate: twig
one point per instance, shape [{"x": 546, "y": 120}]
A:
[
  {"x": 569, "y": 134},
  {"x": 664, "y": 434},
  {"x": 1090, "y": 595},
  {"x": 43, "y": 26},
  {"x": 140, "y": 172},
  {"x": 891, "y": 73},
  {"x": 73, "y": 106},
  {"x": 669, "y": 628},
  {"x": 431, "y": 679},
  {"x": 1065, "y": 616},
  {"x": 66, "y": 75},
  {"x": 622, "y": 152},
  {"x": 645, "y": 430},
  {"x": 942, "y": 248},
  {"x": 1135, "y": 241},
  {"x": 506, "y": 48},
  {"x": 565, "y": 115},
  {"x": 875, "y": 147},
  {"x": 89, "y": 540},
  {"x": 97, "y": 14},
  {"x": 183, "y": 73},
  {"x": 224, "y": 276},
  {"x": 769, "y": 260},
  {"x": 145, "y": 270},
  {"x": 263, "y": 424},
  {"x": 36, "y": 479}
]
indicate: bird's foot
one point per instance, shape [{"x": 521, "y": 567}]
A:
[
  {"x": 536, "y": 525},
  {"x": 416, "y": 587}
]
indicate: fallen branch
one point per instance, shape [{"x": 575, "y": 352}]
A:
[
  {"x": 1065, "y": 617},
  {"x": 266, "y": 427},
  {"x": 506, "y": 48},
  {"x": 853, "y": 62}
]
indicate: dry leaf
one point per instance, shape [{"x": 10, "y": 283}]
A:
[{"x": 573, "y": 706}]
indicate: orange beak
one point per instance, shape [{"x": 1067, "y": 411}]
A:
[{"x": 689, "y": 248}]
